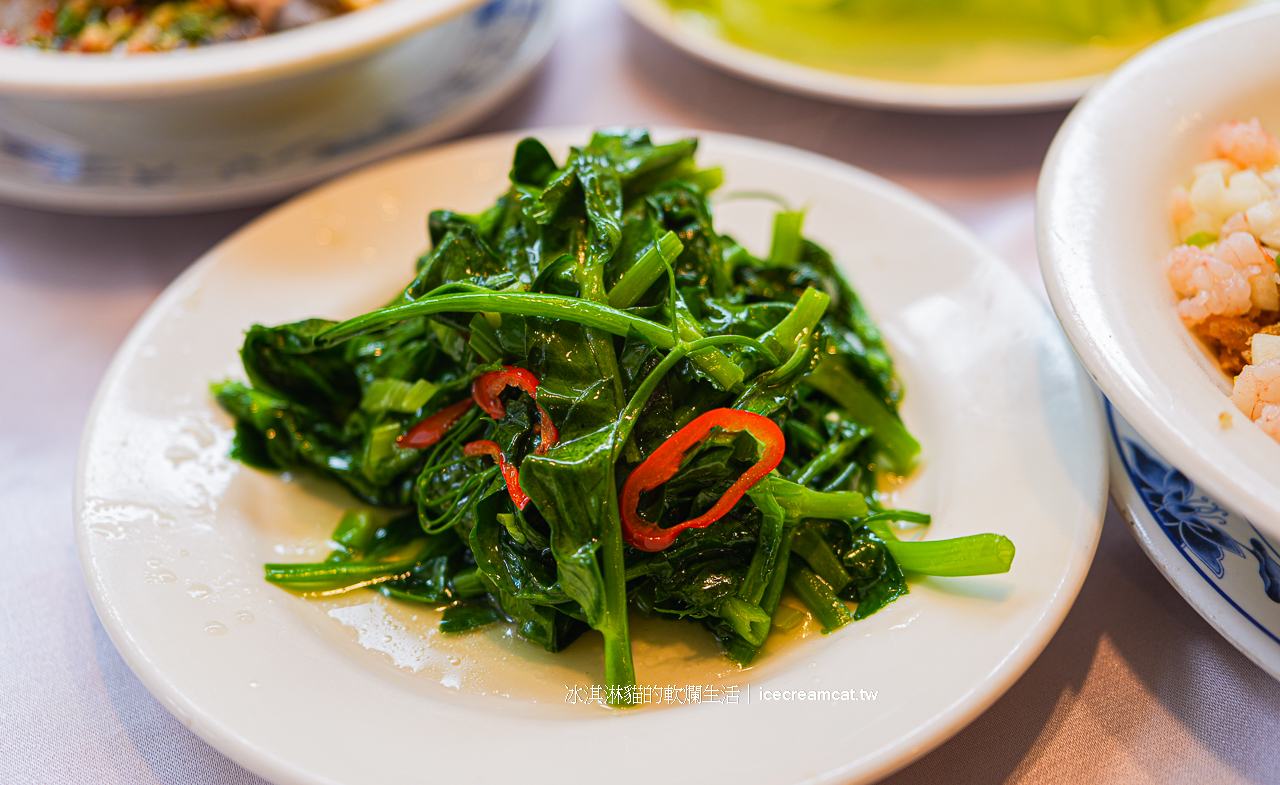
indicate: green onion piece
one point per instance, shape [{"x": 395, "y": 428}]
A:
[
  {"x": 899, "y": 446},
  {"x": 382, "y": 444},
  {"x": 831, "y": 455},
  {"x": 355, "y": 531},
  {"x": 647, "y": 269},
  {"x": 786, "y": 238},
  {"x": 809, "y": 545},
  {"x": 801, "y": 502},
  {"x": 746, "y": 618},
  {"x": 805, "y": 314},
  {"x": 977, "y": 554},
  {"x": 1201, "y": 239},
  {"x": 706, "y": 180},
  {"x": 467, "y": 583},
  {"x": 509, "y": 522},
  {"x": 396, "y": 395},
  {"x": 799, "y": 433},
  {"x": 822, "y": 602},
  {"x": 787, "y": 618}
]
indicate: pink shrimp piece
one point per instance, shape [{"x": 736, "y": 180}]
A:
[
  {"x": 1257, "y": 387},
  {"x": 1246, "y": 143},
  {"x": 1182, "y": 262},
  {"x": 1241, "y": 251},
  {"x": 1207, "y": 284},
  {"x": 1269, "y": 421},
  {"x": 1236, "y": 223}
]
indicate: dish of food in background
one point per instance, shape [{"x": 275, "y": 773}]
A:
[
  {"x": 1228, "y": 219},
  {"x": 136, "y": 26},
  {"x": 244, "y": 122},
  {"x": 1221, "y": 564},
  {"x": 957, "y": 55},
  {"x": 1104, "y": 225},
  {"x": 173, "y": 534}
]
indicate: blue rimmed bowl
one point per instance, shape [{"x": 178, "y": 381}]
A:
[
  {"x": 1222, "y": 564},
  {"x": 244, "y": 122}
]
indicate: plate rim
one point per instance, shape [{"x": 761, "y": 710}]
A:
[
  {"x": 948, "y": 721},
  {"x": 1024, "y": 97}
]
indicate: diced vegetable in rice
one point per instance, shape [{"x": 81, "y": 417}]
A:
[{"x": 1225, "y": 273}]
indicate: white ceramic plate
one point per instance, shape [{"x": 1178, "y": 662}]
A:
[
  {"x": 922, "y": 95},
  {"x": 1218, "y": 561},
  {"x": 1104, "y": 231},
  {"x": 172, "y": 534}
]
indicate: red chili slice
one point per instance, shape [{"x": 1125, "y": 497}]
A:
[
  {"x": 432, "y": 429},
  {"x": 664, "y": 462},
  {"x": 509, "y": 472},
  {"x": 489, "y": 386}
]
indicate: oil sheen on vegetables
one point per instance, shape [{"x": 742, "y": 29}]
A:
[{"x": 970, "y": 42}]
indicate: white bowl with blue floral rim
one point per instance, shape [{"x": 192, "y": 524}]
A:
[
  {"x": 1217, "y": 560},
  {"x": 1104, "y": 229},
  {"x": 247, "y": 121}
]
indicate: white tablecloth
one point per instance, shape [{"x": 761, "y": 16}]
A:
[{"x": 1134, "y": 688}]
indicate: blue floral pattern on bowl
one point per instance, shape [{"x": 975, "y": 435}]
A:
[{"x": 1227, "y": 551}]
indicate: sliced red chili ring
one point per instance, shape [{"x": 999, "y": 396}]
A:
[
  {"x": 432, "y": 429},
  {"x": 664, "y": 462},
  {"x": 509, "y": 472},
  {"x": 488, "y": 386}
]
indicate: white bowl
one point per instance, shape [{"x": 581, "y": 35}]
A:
[
  {"x": 244, "y": 122},
  {"x": 1104, "y": 230}
]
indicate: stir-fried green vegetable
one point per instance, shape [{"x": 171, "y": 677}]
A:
[{"x": 529, "y": 377}]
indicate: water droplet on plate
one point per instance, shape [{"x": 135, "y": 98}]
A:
[
  {"x": 253, "y": 684},
  {"x": 244, "y": 617},
  {"x": 216, "y": 628},
  {"x": 390, "y": 204},
  {"x": 154, "y": 562},
  {"x": 198, "y": 591},
  {"x": 161, "y": 576}
]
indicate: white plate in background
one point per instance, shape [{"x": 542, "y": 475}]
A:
[
  {"x": 172, "y": 534},
  {"x": 922, "y": 95}
]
